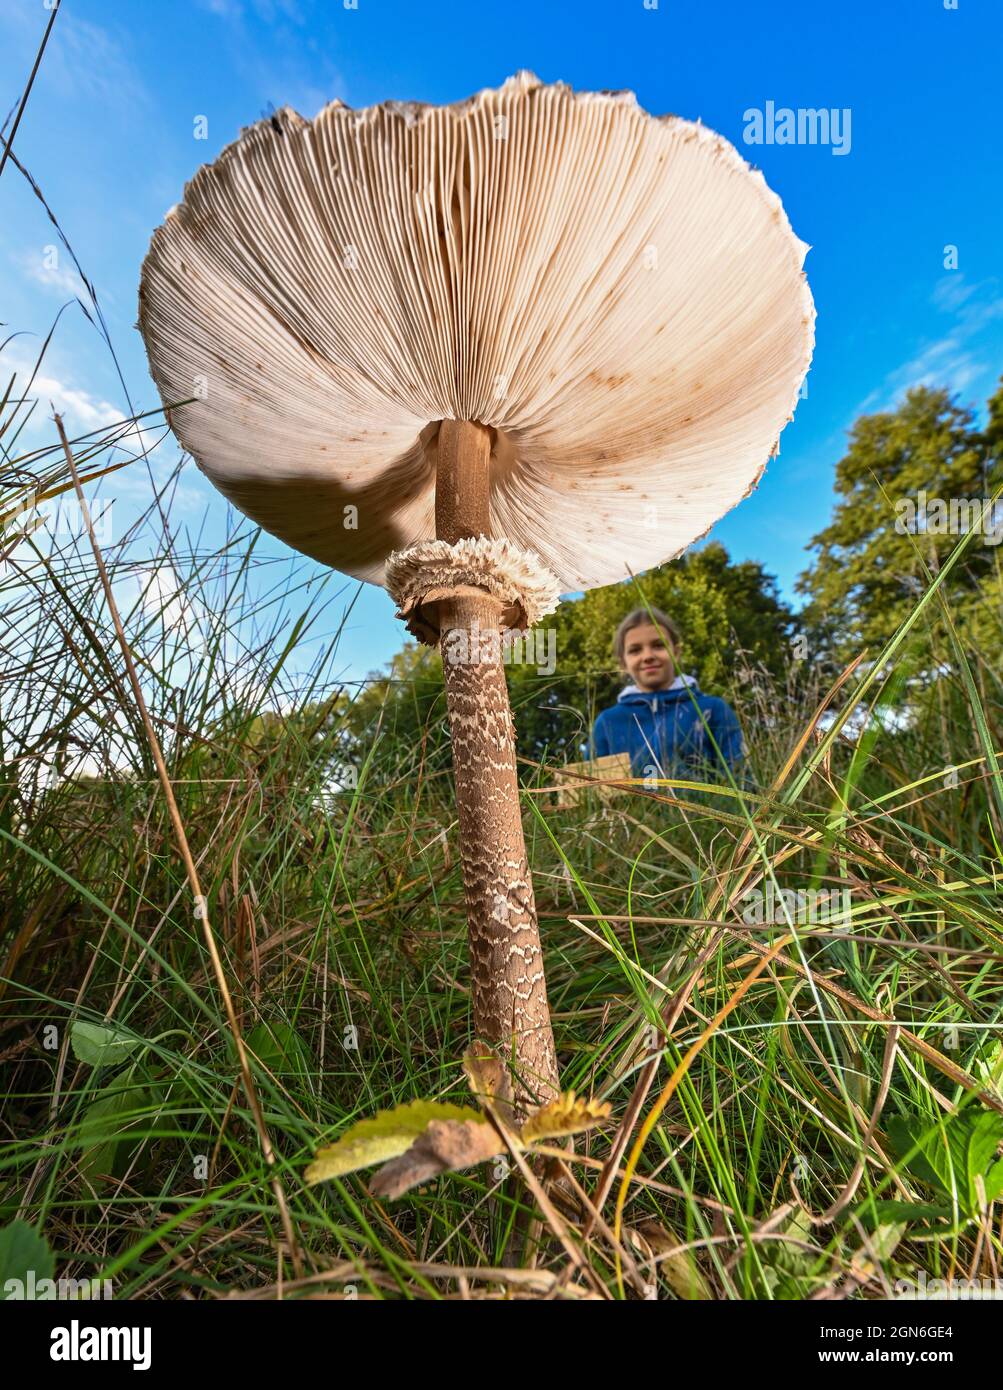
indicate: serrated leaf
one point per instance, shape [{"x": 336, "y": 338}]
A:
[
  {"x": 984, "y": 1136},
  {"x": 792, "y": 1261},
  {"x": 101, "y": 1044},
  {"x": 384, "y": 1136},
  {"x": 565, "y": 1115},
  {"x": 901, "y": 1138},
  {"x": 23, "y": 1250}
]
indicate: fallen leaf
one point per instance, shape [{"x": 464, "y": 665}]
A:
[
  {"x": 489, "y": 1078},
  {"x": 565, "y": 1115},
  {"x": 385, "y": 1135},
  {"x": 679, "y": 1267},
  {"x": 445, "y": 1146}
]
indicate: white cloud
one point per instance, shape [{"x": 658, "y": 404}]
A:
[
  {"x": 951, "y": 291},
  {"x": 289, "y": 67},
  {"x": 85, "y": 412},
  {"x": 266, "y": 10},
  {"x": 187, "y": 497},
  {"x": 82, "y": 411},
  {"x": 959, "y": 358},
  {"x": 81, "y": 408},
  {"x": 945, "y": 362},
  {"x": 163, "y": 596},
  {"x": 84, "y": 60},
  {"x": 46, "y": 269},
  {"x": 78, "y": 406}
]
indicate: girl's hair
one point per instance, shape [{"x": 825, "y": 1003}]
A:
[{"x": 638, "y": 617}]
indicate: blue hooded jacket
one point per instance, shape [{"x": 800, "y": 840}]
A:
[{"x": 662, "y": 727}]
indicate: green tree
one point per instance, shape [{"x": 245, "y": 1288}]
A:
[
  {"x": 731, "y": 618},
  {"x": 730, "y": 614},
  {"x": 896, "y": 484},
  {"x": 406, "y": 703}
]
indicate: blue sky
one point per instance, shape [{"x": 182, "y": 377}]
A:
[{"x": 109, "y": 135}]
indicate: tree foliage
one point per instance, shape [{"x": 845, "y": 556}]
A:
[
  {"x": 893, "y": 525},
  {"x": 730, "y": 614},
  {"x": 866, "y": 578}
]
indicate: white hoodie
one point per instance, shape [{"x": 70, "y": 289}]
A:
[{"x": 680, "y": 683}]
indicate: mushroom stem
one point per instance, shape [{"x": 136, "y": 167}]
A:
[{"x": 506, "y": 959}]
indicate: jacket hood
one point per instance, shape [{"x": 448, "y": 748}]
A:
[{"x": 631, "y": 692}]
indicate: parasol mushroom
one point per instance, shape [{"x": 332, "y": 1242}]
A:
[{"x": 483, "y": 355}]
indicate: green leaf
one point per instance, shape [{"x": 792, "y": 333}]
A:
[
  {"x": 279, "y": 1048},
  {"x": 383, "y": 1136},
  {"x": 951, "y": 1156},
  {"x": 100, "y": 1044},
  {"x": 891, "y": 1211},
  {"x": 23, "y": 1249},
  {"x": 984, "y": 1135},
  {"x": 885, "y": 1239},
  {"x": 679, "y": 1267},
  {"x": 994, "y": 1181},
  {"x": 988, "y": 1067},
  {"x": 789, "y": 1271},
  {"x": 104, "y": 1133},
  {"x": 919, "y": 1164}
]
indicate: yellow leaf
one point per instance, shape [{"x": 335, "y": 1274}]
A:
[
  {"x": 444, "y": 1147},
  {"x": 565, "y": 1115},
  {"x": 679, "y": 1267},
  {"x": 489, "y": 1079},
  {"x": 383, "y": 1136}
]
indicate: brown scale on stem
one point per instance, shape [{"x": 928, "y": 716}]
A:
[{"x": 509, "y": 990}]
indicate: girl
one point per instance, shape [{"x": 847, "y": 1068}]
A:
[{"x": 663, "y": 720}]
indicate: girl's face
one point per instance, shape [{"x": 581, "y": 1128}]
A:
[{"x": 649, "y": 657}]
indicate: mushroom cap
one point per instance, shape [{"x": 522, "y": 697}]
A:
[{"x": 619, "y": 296}]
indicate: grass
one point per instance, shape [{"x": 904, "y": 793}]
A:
[{"x": 820, "y": 1119}]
